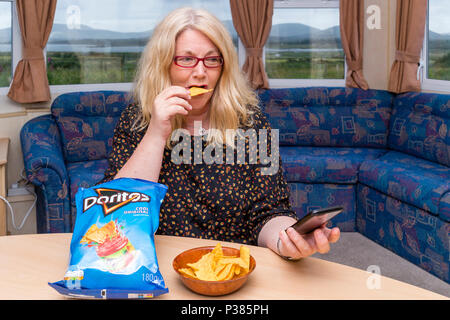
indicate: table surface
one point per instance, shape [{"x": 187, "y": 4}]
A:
[{"x": 29, "y": 262}]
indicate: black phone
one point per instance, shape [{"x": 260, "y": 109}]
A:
[{"x": 315, "y": 219}]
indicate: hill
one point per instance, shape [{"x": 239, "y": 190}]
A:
[{"x": 285, "y": 32}]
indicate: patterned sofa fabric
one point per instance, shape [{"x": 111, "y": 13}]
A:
[
  {"x": 67, "y": 149},
  {"x": 322, "y": 116},
  {"x": 306, "y": 197},
  {"x": 86, "y": 121},
  {"x": 84, "y": 175},
  {"x": 444, "y": 207},
  {"x": 325, "y": 164},
  {"x": 420, "y": 126},
  {"x": 410, "y": 232},
  {"x": 416, "y": 181},
  {"x": 45, "y": 168}
]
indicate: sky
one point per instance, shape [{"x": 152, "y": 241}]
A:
[
  {"x": 142, "y": 15},
  {"x": 131, "y": 15},
  {"x": 439, "y": 16}
]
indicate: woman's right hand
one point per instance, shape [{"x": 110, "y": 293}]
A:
[{"x": 170, "y": 102}]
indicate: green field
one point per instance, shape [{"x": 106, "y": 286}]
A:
[
  {"x": 439, "y": 60},
  {"x": 5, "y": 69},
  {"x": 87, "y": 68},
  {"x": 74, "y": 68},
  {"x": 305, "y": 65},
  {"x": 439, "y": 64}
]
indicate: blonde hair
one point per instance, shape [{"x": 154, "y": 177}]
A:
[{"x": 233, "y": 98}]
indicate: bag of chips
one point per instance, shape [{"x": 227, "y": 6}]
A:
[{"x": 112, "y": 251}]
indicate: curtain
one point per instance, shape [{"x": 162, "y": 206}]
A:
[
  {"x": 351, "y": 16},
  {"x": 30, "y": 83},
  {"x": 410, "y": 29},
  {"x": 252, "y": 20}
]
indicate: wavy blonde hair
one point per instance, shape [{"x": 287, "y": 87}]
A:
[{"x": 233, "y": 100}]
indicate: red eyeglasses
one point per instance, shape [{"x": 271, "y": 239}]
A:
[{"x": 191, "y": 61}]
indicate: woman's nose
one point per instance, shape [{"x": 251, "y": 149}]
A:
[{"x": 199, "y": 69}]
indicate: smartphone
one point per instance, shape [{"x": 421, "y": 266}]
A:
[{"x": 315, "y": 219}]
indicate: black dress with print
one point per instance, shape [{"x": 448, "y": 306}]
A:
[{"x": 220, "y": 200}]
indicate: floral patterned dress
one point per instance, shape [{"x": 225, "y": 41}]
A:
[{"x": 222, "y": 200}]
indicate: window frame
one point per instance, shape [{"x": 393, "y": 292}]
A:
[
  {"x": 16, "y": 43},
  {"x": 291, "y": 83},
  {"x": 120, "y": 86},
  {"x": 127, "y": 86},
  {"x": 426, "y": 83}
]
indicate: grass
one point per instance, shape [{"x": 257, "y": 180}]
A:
[
  {"x": 5, "y": 69},
  {"x": 73, "y": 68},
  {"x": 305, "y": 65},
  {"x": 77, "y": 68},
  {"x": 439, "y": 64},
  {"x": 86, "y": 68}
]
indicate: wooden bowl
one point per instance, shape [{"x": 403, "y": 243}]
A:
[{"x": 210, "y": 288}]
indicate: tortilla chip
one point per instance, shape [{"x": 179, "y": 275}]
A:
[
  {"x": 187, "y": 272},
  {"x": 225, "y": 272},
  {"x": 245, "y": 256},
  {"x": 195, "y": 91},
  {"x": 94, "y": 234},
  {"x": 214, "y": 266}
]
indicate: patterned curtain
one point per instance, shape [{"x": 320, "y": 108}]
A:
[{"x": 30, "y": 83}]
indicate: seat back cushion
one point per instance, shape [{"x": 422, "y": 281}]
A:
[
  {"x": 420, "y": 126},
  {"x": 323, "y": 116},
  {"x": 86, "y": 121},
  {"x": 84, "y": 175},
  {"x": 325, "y": 164}
]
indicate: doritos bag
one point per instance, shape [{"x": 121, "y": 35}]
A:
[{"x": 112, "y": 252}]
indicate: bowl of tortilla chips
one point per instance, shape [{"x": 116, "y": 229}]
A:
[{"x": 214, "y": 271}]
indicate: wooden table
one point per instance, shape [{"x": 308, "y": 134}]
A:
[{"x": 29, "y": 262}]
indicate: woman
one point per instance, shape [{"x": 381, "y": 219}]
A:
[{"x": 223, "y": 201}]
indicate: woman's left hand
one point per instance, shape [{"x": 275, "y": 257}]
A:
[{"x": 296, "y": 246}]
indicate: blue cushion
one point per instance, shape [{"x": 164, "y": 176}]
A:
[
  {"x": 416, "y": 181},
  {"x": 86, "y": 121},
  {"x": 420, "y": 125},
  {"x": 325, "y": 165},
  {"x": 307, "y": 197},
  {"x": 322, "y": 116},
  {"x": 444, "y": 207},
  {"x": 84, "y": 174},
  {"x": 404, "y": 229}
]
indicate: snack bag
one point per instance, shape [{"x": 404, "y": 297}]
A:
[{"x": 112, "y": 249}]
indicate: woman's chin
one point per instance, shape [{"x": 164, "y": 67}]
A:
[{"x": 198, "y": 107}]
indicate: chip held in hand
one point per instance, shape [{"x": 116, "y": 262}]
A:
[{"x": 195, "y": 91}]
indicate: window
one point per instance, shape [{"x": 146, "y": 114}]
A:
[
  {"x": 436, "y": 75},
  {"x": 304, "y": 45},
  {"x": 5, "y": 43},
  {"x": 86, "y": 47}
]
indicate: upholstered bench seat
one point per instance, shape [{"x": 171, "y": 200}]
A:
[
  {"x": 384, "y": 158},
  {"x": 416, "y": 181}
]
